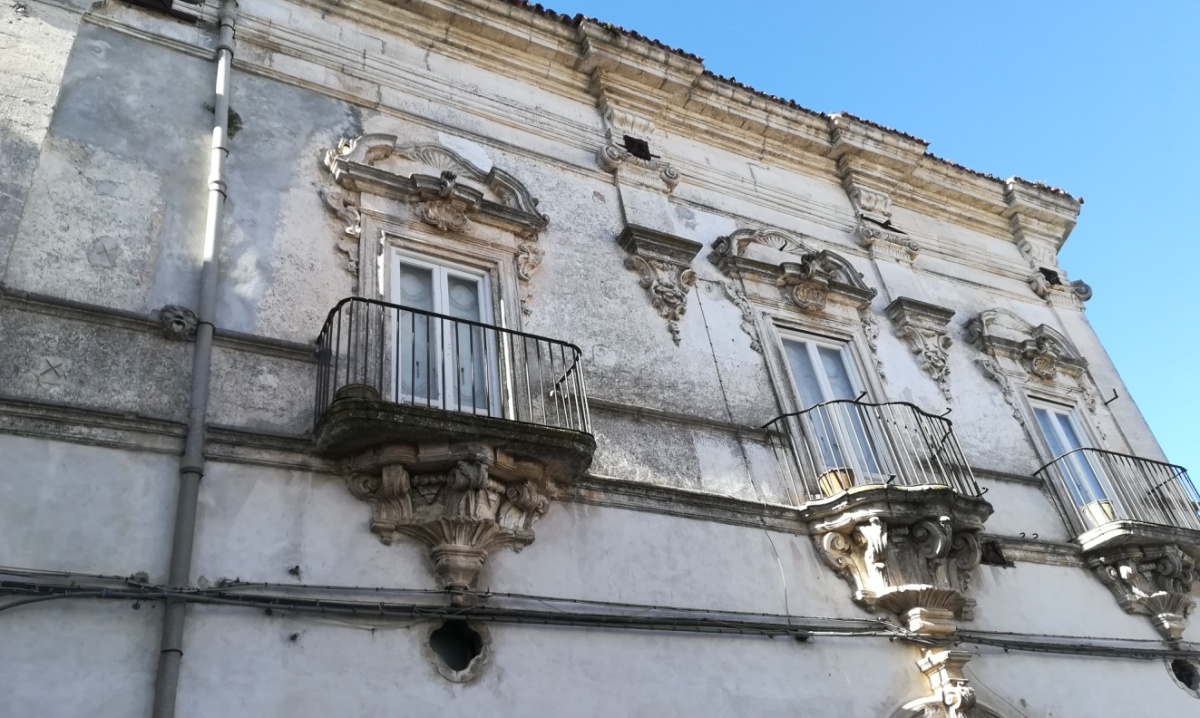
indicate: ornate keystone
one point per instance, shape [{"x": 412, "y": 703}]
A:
[
  {"x": 923, "y": 327},
  {"x": 1153, "y": 581},
  {"x": 663, "y": 262},
  {"x": 908, "y": 552}
]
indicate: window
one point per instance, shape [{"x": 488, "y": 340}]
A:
[
  {"x": 843, "y": 440},
  {"x": 446, "y": 355},
  {"x": 1081, "y": 476}
]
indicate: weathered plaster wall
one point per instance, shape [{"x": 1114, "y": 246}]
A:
[{"x": 113, "y": 217}]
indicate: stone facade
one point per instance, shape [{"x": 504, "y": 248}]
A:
[{"x": 507, "y": 408}]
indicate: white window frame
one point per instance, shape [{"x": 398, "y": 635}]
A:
[
  {"x": 442, "y": 270},
  {"x": 1100, "y": 509},
  {"x": 875, "y": 457}
]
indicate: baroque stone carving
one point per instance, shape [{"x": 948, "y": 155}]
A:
[
  {"x": 460, "y": 512},
  {"x": 663, "y": 263},
  {"x": 742, "y": 302},
  {"x": 1151, "y": 581},
  {"x": 458, "y": 194},
  {"x": 1041, "y": 353},
  {"x": 1050, "y": 285},
  {"x": 952, "y": 695},
  {"x": 808, "y": 282},
  {"x": 908, "y": 553},
  {"x": 874, "y": 230},
  {"x": 178, "y": 323},
  {"x": 923, "y": 327},
  {"x": 624, "y": 131}
]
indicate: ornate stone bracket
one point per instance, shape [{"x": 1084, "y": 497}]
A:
[
  {"x": 458, "y": 193},
  {"x": 1152, "y": 581},
  {"x": 178, "y": 323},
  {"x": 1051, "y": 285},
  {"x": 663, "y": 262},
  {"x": 910, "y": 553},
  {"x": 875, "y": 230},
  {"x": 923, "y": 327},
  {"x": 461, "y": 502},
  {"x": 1041, "y": 219},
  {"x": 626, "y": 151},
  {"x": 953, "y": 696}
]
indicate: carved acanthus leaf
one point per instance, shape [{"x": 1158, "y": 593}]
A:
[
  {"x": 663, "y": 264},
  {"x": 916, "y": 565},
  {"x": 1152, "y": 581},
  {"x": 924, "y": 328},
  {"x": 460, "y": 515}
]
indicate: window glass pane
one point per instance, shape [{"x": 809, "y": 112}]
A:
[
  {"x": 463, "y": 296},
  {"x": 836, "y": 373},
  {"x": 803, "y": 372},
  {"x": 1082, "y": 479},
  {"x": 416, "y": 287},
  {"x": 1069, "y": 437}
]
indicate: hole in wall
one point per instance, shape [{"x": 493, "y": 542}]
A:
[
  {"x": 1187, "y": 673},
  {"x": 457, "y": 644}
]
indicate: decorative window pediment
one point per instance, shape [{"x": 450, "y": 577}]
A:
[
  {"x": 777, "y": 269},
  {"x": 454, "y": 193},
  {"x": 442, "y": 189},
  {"x": 1042, "y": 352}
]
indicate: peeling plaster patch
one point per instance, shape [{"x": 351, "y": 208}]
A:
[{"x": 469, "y": 151}]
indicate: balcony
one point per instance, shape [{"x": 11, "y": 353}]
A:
[
  {"x": 1138, "y": 524},
  {"x": 1114, "y": 499},
  {"x": 891, "y": 504},
  {"x": 455, "y": 432}
]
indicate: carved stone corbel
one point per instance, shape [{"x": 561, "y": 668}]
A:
[
  {"x": 742, "y": 302},
  {"x": 1050, "y": 285},
  {"x": 875, "y": 230},
  {"x": 663, "y": 263},
  {"x": 901, "y": 556},
  {"x": 1152, "y": 581},
  {"x": 626, "y": 151},
  {"x": 953, "y": 696},
  {"x": 461, "y": 513},
  {"x": 923, "y": 326}
]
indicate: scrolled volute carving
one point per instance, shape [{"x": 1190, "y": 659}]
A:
[
  {"x": 1151, "y": 581},
  {"x": 904, "y": 554},
  {"x": 924, "y": 327},
  {"x": 663, "y": 264},
  {"x": 460, "y": 514}
]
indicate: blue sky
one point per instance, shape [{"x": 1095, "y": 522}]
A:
[{"x": 1099, "y": 98}]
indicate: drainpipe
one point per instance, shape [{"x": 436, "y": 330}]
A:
[{"x": 191, "y": 466}]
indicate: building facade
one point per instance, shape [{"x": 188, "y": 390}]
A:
[{"x": 456, "y": 355}]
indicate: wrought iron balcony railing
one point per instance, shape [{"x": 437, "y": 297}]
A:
[
  {"x": 841, "y": 444},
  {"x": 1101, "y": 487},
  {"x": 375, "y": 350}
]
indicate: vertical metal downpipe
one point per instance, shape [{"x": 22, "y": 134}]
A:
[{"x": 191, "y": 468}]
